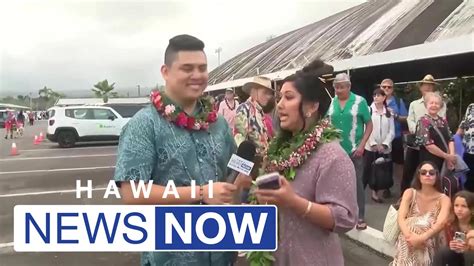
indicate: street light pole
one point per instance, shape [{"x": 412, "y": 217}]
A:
[{"x": 218, "y": 51}]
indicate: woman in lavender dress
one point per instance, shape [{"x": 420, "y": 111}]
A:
[{"x": 317, "y": 194}]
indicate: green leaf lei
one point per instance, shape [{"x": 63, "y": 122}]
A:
[{"x": 285, "y": 154}]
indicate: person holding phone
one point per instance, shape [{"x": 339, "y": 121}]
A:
[
  {"x": 314, "y": 186},
  {"x": 457, "y": 250}
]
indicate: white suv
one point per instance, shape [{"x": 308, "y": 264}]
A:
[{"x": 68, "y": 125}]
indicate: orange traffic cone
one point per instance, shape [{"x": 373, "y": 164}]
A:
[
  {"x": 36, "y": 142},
  {"x": 14, "y": 150},
  {"x": 41, "y": 137}
]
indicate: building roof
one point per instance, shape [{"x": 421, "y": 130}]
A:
[
  {"x": 13, "y": 106},
  {"x": 450, "y": 47},
  {"x": 372, "y": 27},
  {"x": 460, "y": 22}
]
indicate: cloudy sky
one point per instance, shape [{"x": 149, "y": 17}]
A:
[{"x": 70, "y": 45}]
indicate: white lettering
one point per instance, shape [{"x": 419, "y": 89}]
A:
[
  {"x": 112, "y": 189},
  {"x": 141, "y": 187},
  {"x": 193, "y": 189},
  {"x": 79, "y": 189},
  {"x": 184, "y": 234},
  {"x": 210, "y": 191},
  {"x": 247, "y": 222},
  {"x": 220, "y": 227},
  {"x": 170, "y": 189}
]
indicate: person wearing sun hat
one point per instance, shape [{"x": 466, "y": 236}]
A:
[
  {"x": 417, "y": 108},
  {"x": 249, "y": 123},
  {"x": 416, "y": 111}
]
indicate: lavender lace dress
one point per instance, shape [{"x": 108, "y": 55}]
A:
[{"x": 327, "y": 177}]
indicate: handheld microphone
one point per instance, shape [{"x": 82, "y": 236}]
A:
[{"x": 242, "y": 162}]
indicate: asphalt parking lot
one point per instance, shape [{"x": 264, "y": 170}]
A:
[{"x": 47, "y": 174}]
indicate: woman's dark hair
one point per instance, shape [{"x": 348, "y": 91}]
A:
[
  {"x": 416, "y": 180},
  {"x": 469, "y": 198},
  {"x": 381, "y": 92},
  {"x": 312, "y": 89}
]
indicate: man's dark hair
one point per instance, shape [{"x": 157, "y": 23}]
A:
[{"x": 181, "y": 43}]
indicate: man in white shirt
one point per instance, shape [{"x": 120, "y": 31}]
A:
[{"x": 417, "y": 110}]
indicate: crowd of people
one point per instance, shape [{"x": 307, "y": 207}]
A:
[
  {"x": 326, "y": 150},
  {"x": 14, "y": 121}
]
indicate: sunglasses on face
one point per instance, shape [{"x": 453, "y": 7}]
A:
[
  {"x": 386, "y": 87},
  {"x": 430, "y": 172}
]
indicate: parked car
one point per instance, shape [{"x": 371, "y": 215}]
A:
[
  {"x": 126, "y": 110},
  {"x": 68, "y": 125}
]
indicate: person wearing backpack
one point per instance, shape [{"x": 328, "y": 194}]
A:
[{"x": 398, "y": 110}]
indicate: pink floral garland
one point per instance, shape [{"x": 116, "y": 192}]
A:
[
  {"x": 175, "y": 115},
  {"x": 297, "y": 158}
]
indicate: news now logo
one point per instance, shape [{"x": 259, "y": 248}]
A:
[{"x": 51, "y": 228}]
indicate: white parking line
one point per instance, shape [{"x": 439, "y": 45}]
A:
[
  {"x": 72, "y": 149},
  {"x": 58, "y": 157},
  {"x": 57, "y": 170},
  {"x": 6, "y": 245},
  {"x": 45, "y": 192}
]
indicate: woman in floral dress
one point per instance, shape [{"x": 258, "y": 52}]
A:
[{"x": 436, "y": 148}]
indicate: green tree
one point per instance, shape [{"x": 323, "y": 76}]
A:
[
  {"x": 458, "y": 94},
  {"x": 9, "y": 100},
  {"x": 47, "y": 97},
  {"x": 104, "y": 90},
  {"x": 45, "y": 92}
]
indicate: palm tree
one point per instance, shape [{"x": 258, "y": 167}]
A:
[
  {"x": 48, "y": 97},
  {"x": 103, "y": 90},
  {"x": 45, "y": 92}
]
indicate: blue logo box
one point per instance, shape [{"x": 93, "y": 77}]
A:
[{"x": 216, "y": 228}]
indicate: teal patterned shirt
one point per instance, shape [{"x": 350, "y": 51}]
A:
[{"x": 152, "y": 148}]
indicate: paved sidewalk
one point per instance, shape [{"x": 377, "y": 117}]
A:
[{"x": 375, "y": 218}]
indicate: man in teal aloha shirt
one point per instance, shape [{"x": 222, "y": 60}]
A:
[{"x": 168, "y": 141}]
